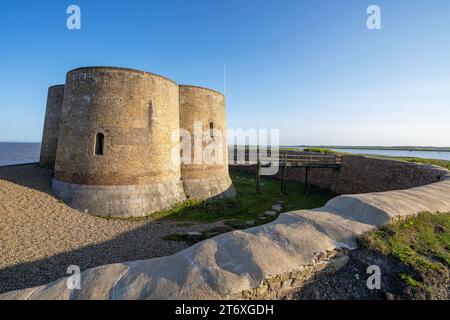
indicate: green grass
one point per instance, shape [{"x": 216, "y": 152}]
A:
[
  {"x": 200, "y": 211},
  {"x": 252, "y": 204},
  {"x": 248, "y": 205},
  {"x": 319, "y": 150},
  {"x": 422, "y": 242},
  {"x": 288, "y": 149},
  {"x": 409, "y": 280},
  {"x": 326, "y": 151}
]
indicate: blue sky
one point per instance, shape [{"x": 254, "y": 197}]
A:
[{"x": 309, "y": 68}]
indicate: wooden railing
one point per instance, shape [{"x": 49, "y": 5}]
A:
[{"x": 289, "y": 159}]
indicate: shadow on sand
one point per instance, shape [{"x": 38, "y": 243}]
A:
[{"x": 142, "y": 242}]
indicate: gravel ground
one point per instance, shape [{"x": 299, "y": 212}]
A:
[{"x": 40, "y": 236}]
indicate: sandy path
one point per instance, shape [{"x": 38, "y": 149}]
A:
[{"x": 40, "y": 236}]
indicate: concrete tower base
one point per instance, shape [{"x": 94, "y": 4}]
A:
[
  {"x": 218, "y": 187},
  {"x": 120, "y": 201}
]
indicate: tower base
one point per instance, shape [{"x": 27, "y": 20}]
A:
[
  {"x": 120, "y": 201},
  {"x": 215, "y": 188}
]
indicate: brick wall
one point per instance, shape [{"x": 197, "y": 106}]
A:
[
  {"x": 360, "y": 174},
  {"x": 136, "y": 111},
  {"x": 50, "y": 133}
]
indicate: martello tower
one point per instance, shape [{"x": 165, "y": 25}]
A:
[{"x": 109, "y": 135}]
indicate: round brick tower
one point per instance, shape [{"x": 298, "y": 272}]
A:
[
  {"x": 204, "y": 168},
  {"x": 116, "y": 155},
  {"x": 50, "y": 133}
]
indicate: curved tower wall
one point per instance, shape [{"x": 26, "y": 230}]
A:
[
  {"x": 138, "y": 171},
  {"x": 55, "y": 98},
  {"x": 203, "y": 177}
]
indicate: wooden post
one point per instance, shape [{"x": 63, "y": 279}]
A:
[
  {"x": 283, "y": 177},
  {"x": 247, "y": 154},
  {"x": 258, "y": 177},
  {"x": 306, "y": 180}
]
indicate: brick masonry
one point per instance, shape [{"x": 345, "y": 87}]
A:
[
  {"x": 55, "y": 98},
  {"x": 204, "y": 180},
  {"x": 138, "y": 114},
  {"x": 136, "y": 111},
  {"x": 363, "y": 175}
]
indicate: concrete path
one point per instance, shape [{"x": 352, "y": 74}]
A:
[{"x": 261, "y": 262}]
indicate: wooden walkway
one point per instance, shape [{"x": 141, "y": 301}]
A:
[
  {"x": 287, "y": 160},
  {"x": 303, "y": 160}
]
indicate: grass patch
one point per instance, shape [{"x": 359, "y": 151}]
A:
[
  {"x": 421, "y": 242},
  {"x": 326, "y": 151},
  {"x": 319, "y": 150},
  {"x": 247, "y": 206},
  {"x": 288, "y": 149},
  {"x": 409, "y": 280},
  {"x": 201, "y": 211},
  {"x": 252, "y": 204}
]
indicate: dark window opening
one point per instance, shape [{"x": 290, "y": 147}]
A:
[
  {"x": 211, "y": 130},
  {"x": 99, "y": 143}
]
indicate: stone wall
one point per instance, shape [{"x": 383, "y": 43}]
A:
[
  {"x": 214, "y": 187},
  {"x": 359, "y": 174},
  {"x": 119, "y": 201}
]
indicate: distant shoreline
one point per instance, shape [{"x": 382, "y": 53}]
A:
[
  {"x": 22, "y": 142},
  {"x": 398, "y": 148},
  {"x": 406, "y": 148}
]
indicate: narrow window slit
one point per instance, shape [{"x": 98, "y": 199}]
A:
[
  {"x": 99, "y": 144},
  {"x": 211, "y": 130}
]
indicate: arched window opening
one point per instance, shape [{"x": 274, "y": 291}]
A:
[
  {"x": 211, "y": 130},
  {"x": 99, "y": 144}
]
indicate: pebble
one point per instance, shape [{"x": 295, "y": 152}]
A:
[
  {"x": 194, "y": 234},
  {"x": 277, "y": 207},
  {"x": 270, "y": 213}
]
